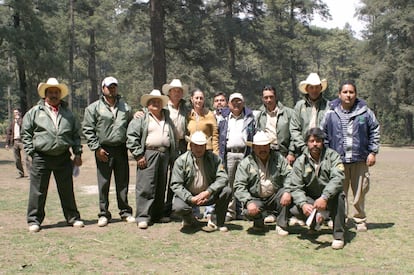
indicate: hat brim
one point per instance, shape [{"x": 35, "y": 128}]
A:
[
  {"x": 303, "y": 84},
  {"x": 146, "y": 98},
  {"x": 188, "y": 139},
  {"x": 250, "y": 143},
  {"x": 167, "y": 87},
  {"x": 41, "y": 90}
]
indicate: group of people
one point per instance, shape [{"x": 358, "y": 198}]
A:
[{"x": 272, "y": 165}]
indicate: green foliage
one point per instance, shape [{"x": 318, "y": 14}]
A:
[{"x": 234, "y": 45}]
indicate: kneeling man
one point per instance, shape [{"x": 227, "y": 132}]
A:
[
  {"x": 199, "y": 179},
  {"x": 316, "y": 186},
  {"x": 259, "y": 185}
]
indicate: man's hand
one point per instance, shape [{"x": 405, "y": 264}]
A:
[
  {"x": 320, "y": 204},
  {"x": 286, "y": 199},
  {"x": 252, "y": 209},
  {"x": 102, "y": 155},
  {"x": 307, "y": 209},
  {"x": 290, "y": 159},
  {"x": 139, "y": 114},
  {"x": 77, "y": 161},
  {"x": 371, "y": 159},
  {"x": 142, "y": 162},
  {"x": 201, "y": 198}
]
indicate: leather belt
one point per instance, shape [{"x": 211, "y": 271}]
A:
[
  {"x": 236, "y": 150},
  {"x": 161, "y": 149}
]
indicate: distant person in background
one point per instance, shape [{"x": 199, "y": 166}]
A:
[
  {"x": 199, "y": 179},
  {"x": 309, "y": 111},
  {"x": 50, "y": 135},
  {"x": 316, "y": 187},
  {"x": 201, "y": 119},
  {"x": 13, "y": 138},
  {"x": 219, "y": 102},
  {"x": 353, "y": 131},
  {"x": 104, "y": 127},
  {"x": 151, "y": 140}
]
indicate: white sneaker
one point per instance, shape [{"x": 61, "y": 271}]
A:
[
  {"x": 330, "y": 224},
  {"x": 78, "y": 223},
  {"x": 362, "y": 227},
  {"x": 337, "y": 244},
  {"x": 270, "y": 219},
  {"x": 280, "y": 231},
  {"x": 103, "y": 221},
  {"x": 130, "y": 219},
  {"x": 295, "y": 221},
  {"x": 223, "y": 229},
  {"x": 34, "y": 228},
  {"x": 143, "y": 225}
]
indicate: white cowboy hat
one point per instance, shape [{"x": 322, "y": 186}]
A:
[
  {"x": 175, "y": 83},
  {"x": 260, "y": 138},
  {"x": 313, "y": 79},
  {"x": 108, "y": 81},
  {"x": 52, "y": 82},
  {"x": 154, "y": 94},
  {"x": 198, "y": 137}
]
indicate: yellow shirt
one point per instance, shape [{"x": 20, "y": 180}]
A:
[{"x": 208, "y": 125}]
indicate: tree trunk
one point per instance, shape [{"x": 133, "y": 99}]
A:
[
  {"x": 93, "y": 92},
  {"x": 21, "y": 70},
  {"x": 71, "y": 50},
  {"x": 158, "y": 43},
  {"x": 231, "y": 48}
]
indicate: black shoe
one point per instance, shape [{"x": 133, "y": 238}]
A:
[{"x": 19, "y": 177}]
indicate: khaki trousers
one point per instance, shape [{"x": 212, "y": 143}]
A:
[{"x": 356, "y": 177}]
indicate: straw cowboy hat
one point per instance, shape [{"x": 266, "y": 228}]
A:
[
  {"x": 260, "y": 138},
  {"x": 313, "y": 79},
  {"x": 175, "y": 83},
  {"x": 52, "y": 82},
  {"x": 154, "y": 94},
  {"x": 198, "y": 137}
]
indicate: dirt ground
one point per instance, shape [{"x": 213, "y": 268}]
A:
[{"x": 389, "y": 202}]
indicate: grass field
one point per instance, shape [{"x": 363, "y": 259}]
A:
[{"x": 121, "y": 248}]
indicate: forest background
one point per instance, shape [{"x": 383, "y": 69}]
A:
[{"x": 214, "y": 45}]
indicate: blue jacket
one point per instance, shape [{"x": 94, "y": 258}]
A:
[
  {"x": 248, "y": 125},
  {"x": 364, "y": 129}
]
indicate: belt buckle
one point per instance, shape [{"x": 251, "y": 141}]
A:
[{"x": 162, "y": 149}]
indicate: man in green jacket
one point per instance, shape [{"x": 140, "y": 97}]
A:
[
  {"x": 274, "y": 119},
  {"x": 308, "y": 112},
  {"x": 49, "y": 131},
  {"x": 104, "y": 127},
  {"x": 199, "y": 179},
  {"x": 259, "y": 184},
  {"x": 316, "y": 186},
  {"x": 151, "y": 140}
]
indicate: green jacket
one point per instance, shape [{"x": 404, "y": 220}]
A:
[
  {"x": 137, "y": 133},
  {"x": 299, "y": 123},
  {"x": 305, "y": 181},
  {"x": 184, "y": 172},
  {"x": 39, "y": 133},
  {"x": 286, "y": 145},
  {"x": 101, "y": 127},
  {"x": 247, "y": 178}
]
